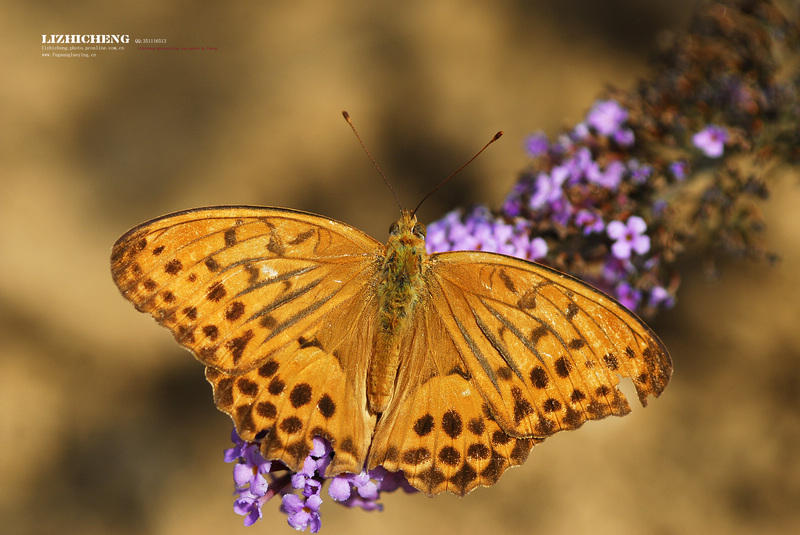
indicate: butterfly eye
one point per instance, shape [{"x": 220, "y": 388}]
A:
[
  {"x": 419, "y": 230},
  {"x": 394, "y": 229}
]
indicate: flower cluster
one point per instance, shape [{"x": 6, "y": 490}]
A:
[
  {"x": 480, "y": 230},
  {"x": 583, "y": 194},
  {"x": 648, "y": 171},
  {"x": 258, "y": 480}
]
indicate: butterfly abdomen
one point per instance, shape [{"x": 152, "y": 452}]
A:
[{"x": 400, "y": 289}]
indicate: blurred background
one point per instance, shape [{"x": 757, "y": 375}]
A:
[{"x": 106, "y": 425}]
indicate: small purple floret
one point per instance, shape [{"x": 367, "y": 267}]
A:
[
  {"x": 609, "y": 178},
  {"x": 711, "y": 140},
  {"x": 660, "y": 296},
  {"x": 624, "y": 137},
  {"x": 303, "y": 513},
  {"x": 628, "y": 295},
  {"x": 537, "y": 144},
  {"x": 628, "y": 237},
  {"x": 606, "y": 117},
  {"x": 590, "y": 221},
  {"x": 679, "y": 169}
]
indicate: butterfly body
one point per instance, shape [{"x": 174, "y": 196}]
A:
[
  {"x": 401, "y": 287},
  {"x": 449, "y": 367}
]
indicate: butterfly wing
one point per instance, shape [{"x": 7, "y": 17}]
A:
[
  {"x": 510, "y": 352},
  {"x": 438, "y": 429},
  {"x": 277, "y": 304}
]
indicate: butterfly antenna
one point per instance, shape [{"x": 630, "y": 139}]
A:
[
  {"x": 454, "y": 173},
  {"x": 347, "y": 118}
]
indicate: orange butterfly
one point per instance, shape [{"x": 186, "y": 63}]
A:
[{"x": 449, "y": 366}]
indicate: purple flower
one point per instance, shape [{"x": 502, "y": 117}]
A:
[
  {"x": 367, "y": 487},
  {"x": 580, "y": 132},
  {"x": 579, "y": 164},
  {"x": 549, "y": 187},
  {"x": 590, "y": 221},
  {"x": 538, "y": 249},
  {"x": 537, "y": 144},
  {"x": 609, "y": 178},
  {"x": 249, "y": 506},
  {"x": 628, "y": 295},
  {"x": 628, "y": 237},
  {"x": 606, "y": 116},
  {"x": 303, "y": 513},
  {"x": 339, "y": 489},
  {"x": 660, "y": 296},
  {"x": 237, "y": 450},
  {"x": 616, "y": 269},
  {"x": 562, "y": 144},
  {"x": 711, "y": 140},
  {"x": 391, "y": 481},
  {"x": 250, "y": 477},
  {"x": 679, "y": 169},
  {"x": 342, "y": 486},
  {"x": 624, "y": 137},
  {"x": 639, "y": 172},
  {"x": 250, "y": 473},
  {"x": 315, "y": 463}
]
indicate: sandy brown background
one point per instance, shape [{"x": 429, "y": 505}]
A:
[{"x": 107, "y": 426}]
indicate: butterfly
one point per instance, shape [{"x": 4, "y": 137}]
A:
[{"x": 448, "y": 366}]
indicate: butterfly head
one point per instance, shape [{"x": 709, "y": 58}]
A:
[
  {"x": 406, "y": 230},
  {"x": 405, "y": 250}
]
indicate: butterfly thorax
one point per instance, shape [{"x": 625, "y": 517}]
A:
[{"x": 400, "y": 288}]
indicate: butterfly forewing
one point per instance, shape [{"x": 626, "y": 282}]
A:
[
  {"x": 545, "y": 350},
  {"x": 235, "y": 284}
]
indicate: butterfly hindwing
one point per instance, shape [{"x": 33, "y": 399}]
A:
[
  {"x": 438, "y": 429},
  {"x": 313, "y": 387}
]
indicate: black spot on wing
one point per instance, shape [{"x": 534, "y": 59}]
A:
[
  {"x": 230, "y": 237},
  {"x": 173, "y": 267},
  {"x": 326, "y": 406},
  {"x": 303, "y": 236},
  {"x": 216, "y": 292},
  {"x": 507, "y": 282},
  {"x": 563, "y": 367},
  {"x": 424, "y": 425},
  {"x": 300, "y": 395},
  {"x": 451, "y": 423},
  {"x": 572, "y": 311}
]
